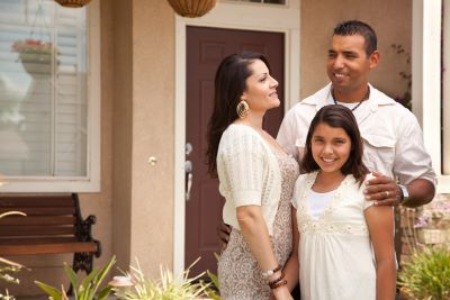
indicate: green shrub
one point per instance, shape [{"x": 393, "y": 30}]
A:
[{"x": 427, "y": 275}]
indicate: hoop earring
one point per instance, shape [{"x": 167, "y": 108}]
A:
[{"x": 242, "y": 109}]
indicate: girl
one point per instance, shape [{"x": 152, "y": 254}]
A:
[{"x": 345, "y": 244}]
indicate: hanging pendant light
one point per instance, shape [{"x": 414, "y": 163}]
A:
[
  {"x": 73, "y": 3},
  {"x": 192, "y": 8}
]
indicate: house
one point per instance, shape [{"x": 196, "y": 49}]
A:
[{"x": 139, "y": 79}]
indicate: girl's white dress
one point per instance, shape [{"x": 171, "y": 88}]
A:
[{"x": 335, "y": 252}]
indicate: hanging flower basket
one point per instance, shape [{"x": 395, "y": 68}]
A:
[
  {"x": 35, "y": 55},
  {"x": 192, "y": 8},
  {"x": 73, "y": 3}
]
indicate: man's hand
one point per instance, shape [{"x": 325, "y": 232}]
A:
[
  {"x": 383, "y": 189},
  {"x": 223, "y": 231}
]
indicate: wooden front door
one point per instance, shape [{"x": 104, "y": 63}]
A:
[{"x": 206, "y": 47}]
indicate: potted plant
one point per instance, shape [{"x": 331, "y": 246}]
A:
[
  {"x": 427, "y": 275},
  {"x": 35, "y": 55}
]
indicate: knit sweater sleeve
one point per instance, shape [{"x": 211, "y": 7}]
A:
[{"x": 241, "y": 166}]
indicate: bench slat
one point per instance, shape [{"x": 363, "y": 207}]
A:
[
  {"x": 37, "y": 211},
  {"x": 38, "y": 220},
  {"x": 48, "y": 248},
  {"x": 11, "y": 241},
  {"x": 36, "y": 230},
  {"x": 36, "y": 201}
]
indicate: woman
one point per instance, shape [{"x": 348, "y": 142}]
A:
[{"x": 256, "y": 178}]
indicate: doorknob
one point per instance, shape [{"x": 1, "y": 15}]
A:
[{"x": 188, "y": 168}]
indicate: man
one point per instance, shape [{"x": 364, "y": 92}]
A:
[{"x": 392, "y": 137}]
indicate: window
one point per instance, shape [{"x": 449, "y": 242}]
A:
[{"x": 45, "y": 132}]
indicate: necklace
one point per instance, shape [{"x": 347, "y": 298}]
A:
[{"x": 366, "y": 96}]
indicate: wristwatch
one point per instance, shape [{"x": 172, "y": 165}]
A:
[{"x": 404, "y": 195}]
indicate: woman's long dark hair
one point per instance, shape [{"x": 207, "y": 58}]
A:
[
  {"x": 230, "y": 84},
  {"x": 337, "y": 116}
]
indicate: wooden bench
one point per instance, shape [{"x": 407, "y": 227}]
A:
[{"x": 52, "y": 225}]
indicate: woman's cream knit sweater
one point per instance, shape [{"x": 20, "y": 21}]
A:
[{"x": 249, "y": 174}]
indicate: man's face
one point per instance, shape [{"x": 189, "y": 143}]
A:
[{"x": 348, "y": 65}]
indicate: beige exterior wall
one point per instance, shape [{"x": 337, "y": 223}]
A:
[
  {"x": 142, "y": 126},
  {"x": 392, "y": 20},
  {"x": 153, "y": 132}
]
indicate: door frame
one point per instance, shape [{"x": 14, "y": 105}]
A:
[{"x": 228, "y": 15}]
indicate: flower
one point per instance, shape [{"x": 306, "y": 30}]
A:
[
  {"x": 32, "y": 46},
  {"x": 437, "y": 215}
]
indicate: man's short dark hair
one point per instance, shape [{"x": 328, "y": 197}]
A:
[{"x": 357, "y": 27}]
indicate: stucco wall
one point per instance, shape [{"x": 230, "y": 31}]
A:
[
  {"x": 392, "y": 21},
  {"x": 142, "y": 126},
  {"x": 153, "y": 132}
]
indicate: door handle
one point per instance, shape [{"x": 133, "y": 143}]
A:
[{"x": 188, "y": 168}]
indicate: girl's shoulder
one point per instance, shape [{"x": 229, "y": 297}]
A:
[{"x": 306, "y": 178}]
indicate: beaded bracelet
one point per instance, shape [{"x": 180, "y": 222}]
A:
[
  {"x": 280, "y": 278},
  {"x": 277, "y": 284},
  {"x": 271, "y": 272}
]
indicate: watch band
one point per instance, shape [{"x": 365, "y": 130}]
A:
[{"x": 404, "y": 194}]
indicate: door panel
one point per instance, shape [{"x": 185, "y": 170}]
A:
[{"x": 206, "y": 47}]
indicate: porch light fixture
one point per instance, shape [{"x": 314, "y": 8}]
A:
[
  {"x": 73, "y": 3},
  {"x": 192, "y": 8}
]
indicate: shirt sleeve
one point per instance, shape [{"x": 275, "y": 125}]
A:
[
  {"x": 412, "y": 160},
  {"x": 298, "y": 189},
  {"x": 243, "y": 163}
]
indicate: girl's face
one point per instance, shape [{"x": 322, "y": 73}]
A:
[
  {"x": 261, "y": 88},
  {"x": 330, "y": 147}
]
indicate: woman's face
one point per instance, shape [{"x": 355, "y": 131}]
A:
[
  {"x": 261, "y": 88},
  {"x": 330, "y": 147}
]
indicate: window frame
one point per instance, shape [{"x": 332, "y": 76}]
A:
[
  {"x": 426, "y": 74},
  {"x": 90, "y": 182}
]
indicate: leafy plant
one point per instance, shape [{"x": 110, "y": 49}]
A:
[
  {"x": 87, "y": 289},
  {"x": 135, "y": 286},
  {"x": 427, "y": 275},
  {"x": 213, "y": 292}
]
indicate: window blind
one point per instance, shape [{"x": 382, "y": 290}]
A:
[{"x": 43, "y": 111}]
